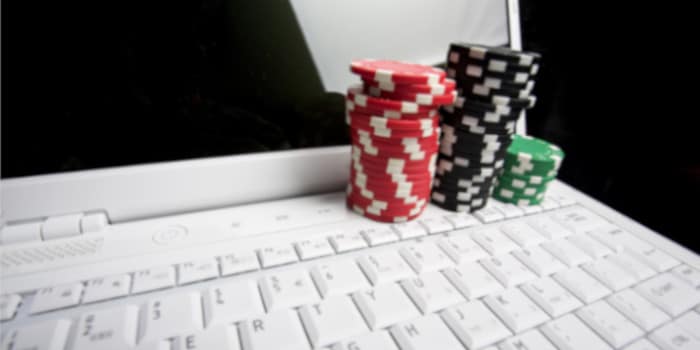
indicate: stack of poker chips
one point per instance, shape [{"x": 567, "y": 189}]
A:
[
  {"x": 494, "y": 86},
  {"x": 530, "y": 165},
  {"x": 394, "y": 128}
]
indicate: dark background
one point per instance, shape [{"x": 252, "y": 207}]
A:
[{"x": 187, "y": 79}]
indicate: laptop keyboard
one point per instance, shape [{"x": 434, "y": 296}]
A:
[{"x": 553, "y": 276}]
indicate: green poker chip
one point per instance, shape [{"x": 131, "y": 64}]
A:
[
  {"x": 525, "y": 191},
  {"x": 528, "y": 155},
  {"x": 507, "y": 196},
  {"x": 522, "y": 181}
]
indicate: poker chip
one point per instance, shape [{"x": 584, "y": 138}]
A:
[
  {"x": 397, "y": 72},
  {"x": 443, "y": 88},
  {"x": 419, "y": 98},
  {"x": 388, "y": 113},
  {"x": 460, "y": 51}
]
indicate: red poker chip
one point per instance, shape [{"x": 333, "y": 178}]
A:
[
  {"x": 388, "y": 113},
  {"x": 409, "y": 142},
  {"x": 443, "y": 88},
  {"x": 392, "y": 162},
  {"x": 395, "y": 179},
  {"x": 381, "y": 173},
  {"x": 397, "y": 72},
  {"x": 386, "y": 209},
  {"x": 394, "y": 151},
  {"x": 369, "y": 181},
  {"x": 396, "y": 199},
  {"x": 383, "y": 218},
  {"x": 396, "y": 124},
  {"x": 357, "y": 96},
  {"x": 391, "y": 133},
  {"x": 392, "y": 170},
  {"x": 419, "y": 98}
]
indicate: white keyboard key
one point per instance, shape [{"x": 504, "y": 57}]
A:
[
  {"x": 278, "y": 255},
  {"x": 170, "y": 316},
  {"x": 548, "y": 227},
  {"x": 539, "y": 260},
  {"x": 690, "y": 322},
  {"x": 431, "y": 292},
  {"x": 569, "y": 333},
  {"x": 46, "y": 335},
  {"x": 235, "y": 263},
  {"x": 332, "y": 320},
  {"x": 153, "y": 279},
  {"x": 277, "y": 330},
  {"x": 385, "y": 305},
  {"x": 639, "y": 310},
  {"x": 530, "y": 340},
  {"x": 155, "y": 345},
  {"x": 531, "y": 209},
  {"x": 338, "y": 277},
  {"x": 436, "y": 225},
  {"x": 494, "y": 241},
  {"x": 425, "y": 333},
  {"x": 551, "y": 297},
  {"x": 371, "y": 341},
  {"x": 633, "y": 266},
  {"x": 688, "y": 274},
  {"x": 384, "y": 266},
  {"x": 313, "y": 248},
  {"x": 474, "y": 324},
  {"x": 425, "y": 256},
  {"x": 345, "y": 242},
  {"x": 473, "y": 280},
  {"x": 231, "y": 302},
  {"x": 669, "y": 293},
  {"x": 613, "y": 276},
  {"x": 487, "y": 215},
  {"x": 590, "y": 246},
  {"x": 581, "y": 284},
  {"x": 285, "y": 289},
  {"x": 113, "y": 328},
  {"x": 549, "y": 204},
  {"x": 606, "y": 236},
  {"x": 105, "y": 288},
  {"x": 566, "y": 252},
  {"x": 578, "y": 219},
  {"x": 411, "y": 229},
  {"x": 508, "y": 270},
  {"x": 609, "y": 324},
  {"x": 522, "y": 234},
  {"x": 379, "y": 235},
  {"x": 516, "y": 310},
  {"x": 645, "y": 252},
  {"x": 461, "y": 249},
  {"x": 672, "y": 337},
  {"x": 58, "y": 297},
  {"x": 562, "y": 200},
  {"x": 462, "y": 220},
  {"x": 196, "y": 271},
  {"x": 221, "y": 337},
  {"x": 507, "y": 209},
  {"x": 642, "y": 344},
  {"x": 8, "y": 306}
]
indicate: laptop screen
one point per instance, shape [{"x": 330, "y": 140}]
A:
[{"x": 95, "y": 85}]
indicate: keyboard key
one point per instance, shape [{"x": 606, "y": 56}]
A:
[
  {"x": 508, "y": 270},
  {"x": 639, "y": 310},
  {"x": 425, "y": 257},
  {"x": 331, "y": 320},
  {"x": 371, "y": 341},
  {"x": 240, "y": 262},
  {"x": 516, "y": 310},
  {"x": 279, "y": 255},
  {"x": 425, "y": 333},
  {"x": 642, "y": 344},
  {"x": 494, "y": 241},
  {"x": 277, "y": 330},
  {"x": 153, "y": 279},
  {"x": 539, "y": 260},
  {"x": 338, "y": 277},
  {"x": 462, "y": 220},
  {"x": 224, "y": 337},
  {"x": 669, "y": 293},
  {"x": 551, "y": 296},
  {"x": 46, "y": 335},
  {"x": 385, "y": 266},
  {"x": 549, "y": 204},
  {"x": 566, "y": 252},
  {"x": 474, "y": 324},
  {"x": 231, "y": 302},
  {"x": 581, "y": 284},
  {"x": 522, "y": 234},
  {"x": 171, "y": 315},
  {"x": 609, "y": 324},
  {"x": 8, "y": 306},
  {"x": 285, "y": 289},
  {"x": 690, "y": 322},
  {"x": 488, "y": 214},
  {"x": 436, "y": 225},
  {"x": 507, "y": 209},
  {"x": 196, "y": 271},
  {"x": 548, "y": 227},
  {"x": 379, "y": 235},
  {"x": 106, "y": 288},
  {"x": 633, "y": 266},
  {"x": 569, "y": 333},
  {"x": 672, "y": 337},
  {"x": 411, "y": 229},
  {"x": 562, "y": 200},
  {"x": 113, "y": 328},
  {"x": 688, "y": 274},
  {"x": 314, "y": 248},
  {"x": 613, "y": 276},
  {"x": 385, "y": 305},
  {"x": 345, "y": 242},
  {"x": 645, "y": 252},
  {"x": 58, "y": 297},
  {"x": 578, "y": 219},
  {"x": 473, "y": 280},
  {"x": 531, "y": 209},
  {"x": 461, "y": 249},
  {"x": 530, "y": 340},
  {"x": 431, "y": 292},
  {"x": 590, "y": 246}
]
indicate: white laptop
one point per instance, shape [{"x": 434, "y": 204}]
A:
[{"x": 258, "y": 251}]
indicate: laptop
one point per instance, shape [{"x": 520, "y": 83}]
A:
[{"x": 258, "y": 251}]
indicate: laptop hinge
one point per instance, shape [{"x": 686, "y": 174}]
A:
[{"x": 53, "y": 227}]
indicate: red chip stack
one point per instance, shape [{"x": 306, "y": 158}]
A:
[{"x": 395, "y": 133}]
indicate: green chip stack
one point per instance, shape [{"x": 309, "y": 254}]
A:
[{"x": 530, "y": 165}]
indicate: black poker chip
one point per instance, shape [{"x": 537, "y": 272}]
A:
[{"x": 459, "y": 51}]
